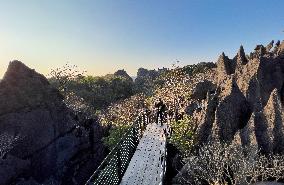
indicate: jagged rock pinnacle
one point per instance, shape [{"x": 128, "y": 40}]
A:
[
  {"x": 36, "y": 121},
  {"x": 269, "y": 46},
  {"x": 241, "y": 57},
  {"x": 277, "y": 43},
  {"x": 225, "y": 65},
  {"x": 23, "y": 87}
]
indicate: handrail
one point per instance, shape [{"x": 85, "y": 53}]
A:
[
  {"x": 167, "y": 133},
  {"x": 115, "y": 152}
]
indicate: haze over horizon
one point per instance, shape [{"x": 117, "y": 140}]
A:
[{"x": 104, "y": 36}]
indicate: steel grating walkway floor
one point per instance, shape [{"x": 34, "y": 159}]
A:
[{"x": 146, "y": 165}]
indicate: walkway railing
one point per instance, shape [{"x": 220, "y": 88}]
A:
[
  {"x": 167, "y": 133},
  {"x": 112, "y": 169}
]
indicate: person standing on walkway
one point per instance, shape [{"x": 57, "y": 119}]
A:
[{"x": 161, "y": 108}]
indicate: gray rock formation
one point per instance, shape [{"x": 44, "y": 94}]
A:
[
  {"x": 240, "y": 58},
  {"x": 41, "y": 131},
  {"x": 273, "y": 112},
  {"x": 269, "y": 46},
  {"x": 233, "y": 111},
  {"x": 225, "y": 66},
  {"x": 202, "y": 88},
  {"x": 280, "y": 51},
  {"x": 206, "y": 119},
  {"x": 249, "y": 102}
]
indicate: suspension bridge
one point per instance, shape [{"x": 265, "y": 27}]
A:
[{"x": 139, "y": 158}]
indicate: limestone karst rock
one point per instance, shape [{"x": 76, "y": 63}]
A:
[
  {"x": 276, "y": 47},
  {"x": 250, "y": 99},
  {"x": 233, "y": 111},
  {"x": 247, "y": 134},
  {"x": 280, "y": 51},
  {"x": 260, "y": 50},
  {"x": 202, "y": 88},
  {"x": 248, "y": 107},
  {"x": 22, "y": 87},
  {"x": 225, "y": 65},
  {"x": 273, "y": 112},
  {"x": 205, "y": 119},
  {"x": 41, "y": 130},
  {"x": 241, "y": 58},
  {"x": 269, "y": 46},
  {"x": 262, "y": 133}
]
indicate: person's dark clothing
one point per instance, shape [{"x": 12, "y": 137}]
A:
[
  {"x": 159, "y": 104},
  {"x": 161, "y": 110},
  {"x": 163, "y": 107},
  {"x": 148, "y": 114},
  {"x": 171, "y": 113}
]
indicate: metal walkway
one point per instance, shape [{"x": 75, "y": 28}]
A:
[
  {"x": 138, "y": 158},
  {"x": 147, "y": 165}
]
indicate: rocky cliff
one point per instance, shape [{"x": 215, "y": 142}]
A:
[
  {"x": 244, "y": 99},
  {"x": 41, "y": 139}
]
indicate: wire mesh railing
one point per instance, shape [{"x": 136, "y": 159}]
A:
[
  {"x": 112, "y": 169},
  {"x": 167, "y": 132}
]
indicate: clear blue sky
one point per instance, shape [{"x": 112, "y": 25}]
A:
[{"x": 102, "y": 36}]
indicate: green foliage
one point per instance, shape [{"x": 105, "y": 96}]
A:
[
  {"x": 102, "y": 91},
  {"x": 61, "y": 77},
  {"x": 183, "y": 134},
  {"x": 115, "y": 134},
  {"x": 97, "y": 91},
  {"x": 148, "y": 80},
  {"x": 198, "y": 68}
]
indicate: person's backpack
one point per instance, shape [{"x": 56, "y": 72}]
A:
[{"x": 163, "y": 107}]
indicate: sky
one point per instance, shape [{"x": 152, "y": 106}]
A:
[{"x": 102, "y": 36}]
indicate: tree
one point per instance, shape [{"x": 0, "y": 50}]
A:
[
  {"x": 183, "y": 134},
  {"x": 60, "y": 77}
]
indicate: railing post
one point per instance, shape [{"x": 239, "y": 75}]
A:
[
  {"x": 140, "y": 126},
  {"x": 134, "y": 136},
  {"x": 140, "y": 123},
  {"x": 144, "y": 119},
  {"x": 118, "y": 165}
]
